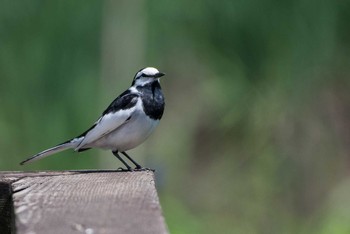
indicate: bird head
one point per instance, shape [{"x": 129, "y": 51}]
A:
[{"x": 146, "y": 75}]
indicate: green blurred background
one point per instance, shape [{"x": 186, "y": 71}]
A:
[{"x": 256, "y": 133}]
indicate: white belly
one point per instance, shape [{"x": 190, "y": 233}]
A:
[{"x": 129, "y": 135}]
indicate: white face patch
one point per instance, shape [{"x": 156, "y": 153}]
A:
[
  {"x": 144, "y": 80},
  {"x": 145, "y": 76}
]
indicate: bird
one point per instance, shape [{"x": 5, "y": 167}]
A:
[{"x": 126, "y": 123}]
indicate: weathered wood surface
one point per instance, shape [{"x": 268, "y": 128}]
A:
[{"x": 90, "y": 202}]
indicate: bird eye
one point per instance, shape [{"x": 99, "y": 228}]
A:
[{"x": 145, "y": 75}]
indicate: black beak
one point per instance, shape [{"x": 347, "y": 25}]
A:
[{"x": 159, "y": 74}]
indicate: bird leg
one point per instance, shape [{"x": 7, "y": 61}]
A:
[
  {"x": 115, "y": 153},
  {"x": 138, "y": 166}
]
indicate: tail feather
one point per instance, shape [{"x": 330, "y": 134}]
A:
[{"x": 58, "y": 148}]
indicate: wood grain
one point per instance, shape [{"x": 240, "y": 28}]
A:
[{"x": 90, "y": 202}]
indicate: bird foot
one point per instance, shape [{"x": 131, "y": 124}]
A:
[
  {"x": 144, "y": 169},
  {"x": 125, "y": 169},
  {"x": 135, "y": 169}
]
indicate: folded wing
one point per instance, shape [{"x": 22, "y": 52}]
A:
[{"x": 118, "y": 112}]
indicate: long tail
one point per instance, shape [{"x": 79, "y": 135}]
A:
[{"x": 58, "y": 148}]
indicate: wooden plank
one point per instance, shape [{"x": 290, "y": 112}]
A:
[{"x": 85, "y": 202}]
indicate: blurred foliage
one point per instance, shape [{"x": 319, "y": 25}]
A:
[{"x": 256, "y": 132}]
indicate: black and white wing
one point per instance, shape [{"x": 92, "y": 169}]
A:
[{"x": 117, "y": 113}]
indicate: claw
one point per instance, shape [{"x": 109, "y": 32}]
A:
[
  {"x": 125, "y": 169},
  {"x": 144, "y": 169}
]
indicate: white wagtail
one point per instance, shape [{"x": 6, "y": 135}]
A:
[{"x": 125, "y": 124}]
